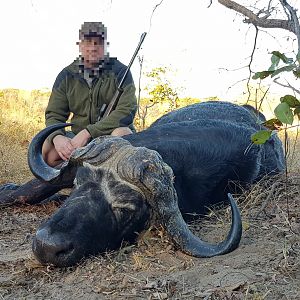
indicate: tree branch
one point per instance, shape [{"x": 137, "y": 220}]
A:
[
  {"x": 287, "y": 86},
  {"x": 155, "y": 7},
  {"x": 293, "y": 19},
  {"x": 252, "y": 18},
  {"x": 251, "y": 60}
]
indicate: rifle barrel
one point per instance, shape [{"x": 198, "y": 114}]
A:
[
  {"x": 113, "y": 103},
  {"x": 132, "y": 59}
]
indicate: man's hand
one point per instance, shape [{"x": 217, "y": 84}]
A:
[
  {"x": 80, "y": 139},
  {"x": 63, "y": 146}
]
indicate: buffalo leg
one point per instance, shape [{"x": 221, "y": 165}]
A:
[{"x": 31, "y": 192}]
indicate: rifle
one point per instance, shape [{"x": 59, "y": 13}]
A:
[{"x": 105, "y": 109}]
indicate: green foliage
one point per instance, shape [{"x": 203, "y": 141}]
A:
[
  {"x": 296, "y": 72},
  {"x": 160, "y": 92},
  {"x": 289, "y": 106},
  {"x": 160, "y": 89},
  {"x": 297, "y": 112},
  {"x": 284, "y": 113},
  {"x": 262, "y": 75},
  {"x": 277, "y": 56},
  {"x": 162, "y": 98},
  {"x": 272, "y": 124},
  {"x": 260, "y": 137},
  {"x": 274, "y": 69},
  {"x": 283, "y": 69},
  {"x": 290, "y": 100},
  {"x": 275, "y": 61}
]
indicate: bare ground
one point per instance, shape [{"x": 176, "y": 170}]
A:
[{"x": 265, "y": 266}]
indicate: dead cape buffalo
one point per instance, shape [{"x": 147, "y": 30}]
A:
[{"x": 181, "y": 164}]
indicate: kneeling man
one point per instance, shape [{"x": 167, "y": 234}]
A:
[{"x": 81, "y": 89}]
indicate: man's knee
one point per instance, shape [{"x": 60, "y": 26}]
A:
[
  {"x": 120, "y": 131},
  {"x": 50, "y": 155}
]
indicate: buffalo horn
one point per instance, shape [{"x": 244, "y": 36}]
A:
[
  {"x": 191, "y": 244},
  {"x": 36, "y": 163}
]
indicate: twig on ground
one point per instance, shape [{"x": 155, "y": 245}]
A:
[{"x": 266, "y": 201}]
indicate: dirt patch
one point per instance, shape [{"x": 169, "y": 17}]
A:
[{"x": 265, "y": 266}]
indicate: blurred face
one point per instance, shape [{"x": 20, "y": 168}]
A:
[{"x": 92, "y": 50}]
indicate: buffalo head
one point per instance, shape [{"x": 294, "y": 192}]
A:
[{"x": 119, "y": 191}]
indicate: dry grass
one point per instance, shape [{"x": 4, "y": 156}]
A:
[
  {"x": 22, "y": 113},
  {"x": 13, "y": 160}
]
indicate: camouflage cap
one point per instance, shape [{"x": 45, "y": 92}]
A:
[{"x": 92, "y": 29}]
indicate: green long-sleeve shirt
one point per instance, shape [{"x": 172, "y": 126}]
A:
[{"x": 72, "y": 94}]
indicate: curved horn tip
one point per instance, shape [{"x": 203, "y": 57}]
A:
[
  {"x": 193, "y": 245},
  {"x": 36, "y": 163}
]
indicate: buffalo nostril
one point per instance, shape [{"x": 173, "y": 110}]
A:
[{"x": 50, "y": 248}]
